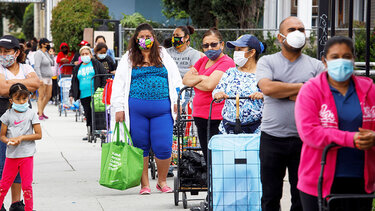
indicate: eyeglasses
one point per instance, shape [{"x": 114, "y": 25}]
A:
[{"x": 213, "y": 45}]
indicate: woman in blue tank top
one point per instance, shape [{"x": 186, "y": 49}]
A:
[{"x": 144, "y": 95}]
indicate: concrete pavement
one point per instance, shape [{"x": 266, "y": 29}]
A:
[{"x": 66, "y": 174}]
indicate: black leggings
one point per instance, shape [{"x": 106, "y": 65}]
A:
[
  {"x": 340, "y": 186},
  {"x": 86, "y": 104},
  {"x": 202, "y": 132}
]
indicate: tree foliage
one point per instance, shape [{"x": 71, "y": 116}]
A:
[
  {"x": 200, "y": 11},
  {"x": 71, "y": 17},
  {"x": 219, "y": 13},
  {"x": 28, "y": 22},
  {"x": 132, "y": 21},
  {"x": 238, "y": 13},
  {"x": 14, "y": 12}
]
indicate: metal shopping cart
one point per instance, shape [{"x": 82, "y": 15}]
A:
[
  {"x": 64, "y": 105},
  {"x": 191, "y": 167},
  {"x": 100, "y": 115},
  {"x": 324, "y": 202},
  {"x": 233, "y": 169}
]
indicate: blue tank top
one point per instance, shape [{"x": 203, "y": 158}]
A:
[{"x": 149, "y": 83}]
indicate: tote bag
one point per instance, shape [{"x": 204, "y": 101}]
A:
[{"x": 121, "y": 162}]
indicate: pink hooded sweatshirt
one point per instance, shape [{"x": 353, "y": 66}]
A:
[{"x": 317, "y": 125}]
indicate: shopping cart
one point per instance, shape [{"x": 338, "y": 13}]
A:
[
  {"x": 324, "y": 202},
  {"x": 100, "y": 119},
  {"x": 233, "y": 169},
  {"x": 191, "y": 167},
  {"x": 64, "y": 82}
]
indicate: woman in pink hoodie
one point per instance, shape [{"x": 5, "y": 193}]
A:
[{"x": 337, "y": 107}]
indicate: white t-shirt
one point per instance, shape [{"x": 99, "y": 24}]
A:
[
  {"x": 25, "y": 69},
  {"x": 30, "y": 58}
]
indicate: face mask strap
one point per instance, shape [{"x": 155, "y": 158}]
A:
[
  {"x": 247, "y": 52},
  {"x": 283, "y": 37}
]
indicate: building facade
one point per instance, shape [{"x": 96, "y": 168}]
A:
[
  {"x": 277, "y": 10},
  {"x": 43, "y": 17}
]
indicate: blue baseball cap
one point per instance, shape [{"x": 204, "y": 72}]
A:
[{"x": 247, "y": 40}]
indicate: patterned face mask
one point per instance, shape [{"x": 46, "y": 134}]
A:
[
  {"x": 145, "y": 44},
  {"x": 177, "y": 42},
  {"x": 7, "y": 60}
]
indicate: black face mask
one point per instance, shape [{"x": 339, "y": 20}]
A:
[
  {"x": 65, "y": 51},
  {"x": 48, "y": 47}
]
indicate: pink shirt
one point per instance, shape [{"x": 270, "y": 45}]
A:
[
  {"x": 202, "y": 99},
  {"x": 317, "y": 124}
]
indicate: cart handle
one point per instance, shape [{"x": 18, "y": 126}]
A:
[
  {"x": 321, "y": 176},
  {"x": 210, "y": 113},
  {"x": 65, "y": 65},
  {"x": 237, "y": 106},
  {"x": 179, "y": 102}
]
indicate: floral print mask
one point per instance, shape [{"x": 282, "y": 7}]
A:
[
  {"x": 145, "y": 44},
  {"x": 7, "y": 60}
]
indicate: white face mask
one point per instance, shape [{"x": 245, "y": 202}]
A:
[
  {"x": 295, "y": 39},
  {"x": 239, "y": 58}
]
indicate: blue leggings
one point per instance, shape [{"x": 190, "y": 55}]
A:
[{"x": 151, "y": 126}]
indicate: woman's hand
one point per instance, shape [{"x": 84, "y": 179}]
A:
[
  {"x": 71, "y": 100},
  {"x": 365, "y": 139},
  {"x": 293, "y": 98},
  {"x": 175, "y": 108},
  {"x": 194, "y": 71},
  {"x": 120, "y": 116},
  {"x": 256, "y": 96},
  {"x": 220, "y": 96},
  {"x": 192, "y": 78},
  {"x": 64, "y": 60}
]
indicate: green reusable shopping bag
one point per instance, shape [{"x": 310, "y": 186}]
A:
[
  {"x": 98, "y": 104},
  {"x": 122, "y": 163}
]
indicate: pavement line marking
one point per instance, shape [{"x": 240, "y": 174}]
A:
[
  {"x": 99, "y": 203},
  {"x": 45, "y": 131},
  {"x": 62, "y": 155}
]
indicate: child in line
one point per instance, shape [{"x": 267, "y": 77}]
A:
[
  {"x": 17, "y": 127},
  {"x": 101, "y": 55}
]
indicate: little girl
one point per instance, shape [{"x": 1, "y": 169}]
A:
[{"x": 17, "y": 128}]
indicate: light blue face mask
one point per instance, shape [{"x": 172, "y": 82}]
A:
[
  {"x": 20, "y": 107},
  {"x": 102, "y": 56},
  {"x": 340, "y": 69},
  {"x": 86, "y": 59}
]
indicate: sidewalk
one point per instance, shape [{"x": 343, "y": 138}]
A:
[{"x": 66, "y": 174}]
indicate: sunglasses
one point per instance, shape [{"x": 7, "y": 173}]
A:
[{"x": 213, "y": 45}]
